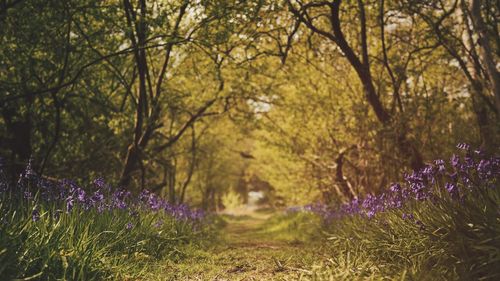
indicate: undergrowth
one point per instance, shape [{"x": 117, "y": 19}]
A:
[
  {"x": 443, "y": 224},
  {"x": 72, "y": 234}
]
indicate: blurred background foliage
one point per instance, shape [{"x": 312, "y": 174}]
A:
[{"x": 195, "y": 100}]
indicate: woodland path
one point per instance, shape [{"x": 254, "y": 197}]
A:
[{"x": 251, "y": 249}]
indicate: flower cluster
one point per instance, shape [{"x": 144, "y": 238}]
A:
[
  {"x": 153, "y": 202},
  {"x": 100, "y": 196},
  {"x": 474, "y": 170}
]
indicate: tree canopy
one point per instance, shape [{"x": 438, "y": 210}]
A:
[{"x": 323, "y": 100}]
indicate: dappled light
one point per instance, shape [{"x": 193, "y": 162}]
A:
[{"x": 249, "y": 140}]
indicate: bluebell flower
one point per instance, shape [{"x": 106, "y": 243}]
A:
[
  {"x": 420, "y": 224},
  {"x": 395, "y": 187},
  {"x": 408, "y": 216},
  {"x": 452, "y": 189},
  {"x": 28, "y": 195},
  {"x": 35, "y": 215},
  {"x": 370, "y": 214},
  {"x": 440, "y": 164},
  {"x": 455, "y": 160},
  {"x": 70, "y": 202},
  {"x": 80, "y": 195},
  {"x": 99, "y": 183}
]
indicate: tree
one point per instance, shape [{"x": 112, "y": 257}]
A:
[
  {"x": 456, "y": 25},
  {"x": 312, "y": 15}
]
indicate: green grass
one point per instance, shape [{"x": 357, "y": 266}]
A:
[
  {"x": 297, "y": 246},
  {"x": 302, "y": 227},
  {"x": 460, "y": 240},
  {"x": 258, "y": 246},
  {"x": 87, "y": 245}
]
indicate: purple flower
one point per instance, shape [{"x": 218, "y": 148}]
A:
[
  {"x": 80, "y": 195},
  {"x": 370, "y": 214},
  {"x": 99, "y": 182},
  {"x": 452, "y": 189},
  {"x": 468, "y": 162},
  {"x": 28, "y": 195},
  {"x": 408, "y": 216},
  {"x": 29, "y": 173},
  {"x": 35, "y": 215},
  {"x": 395, "y": 202},
  {"x": 154, "y": 202},
  {"x": 474, "y": 170},
  {"x": 420, "y": 224},
  {"x": 144, "y": 195},
  {"x": 67, "y": 194},
  {"x": 430, "y": 172},
  {"x": 455, "y": 160},
  {"x": 97, "y": 197},
  {"x": 395, "y": 187},
  {"x": 119, "y": 199},
  {"x": 129, "y": 226},
  {"x": 440, "y": 165},
  {"x": 101, "y": 207},
  {"x": 70, "y": 202},
  {"x": 486, "y": 169},
  {"x": 421, "y": 195}
]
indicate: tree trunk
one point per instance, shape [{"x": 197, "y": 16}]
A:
[
  {"x": 18, "y": 139},
  {"x": 192, "y": 165},
  {"x": 486, "y": 52},
  {"x": 483, "y": 122},
  {"x": 346, "y": 189},
  {"x": 171, "y": 171},
  {"x": 409, "y": 151},
  {"x": 131, "y": 159},
  {"x": 362, "y": 68}
]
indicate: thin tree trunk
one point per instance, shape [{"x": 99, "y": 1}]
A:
[
  {"x": 346, "y": 189},
  {"x": 191, "y": 166},
  {"x": 57, "y": 131},
  {"x": 19, "y": 136},
  {"x": 171, "y": 180}
]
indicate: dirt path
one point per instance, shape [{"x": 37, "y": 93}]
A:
[{"x": 250, "y": 250}]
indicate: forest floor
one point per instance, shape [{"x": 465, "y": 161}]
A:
[{"x": 252, "y": 246}]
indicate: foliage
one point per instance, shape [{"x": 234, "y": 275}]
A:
[
  {"x": 231, "y": 200},
  {"x": 431, "y": 226},
  {"x": 62, "y": 231},
  {"x": 142, "y": 91},
  {"x": 195, "y": 103}
]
